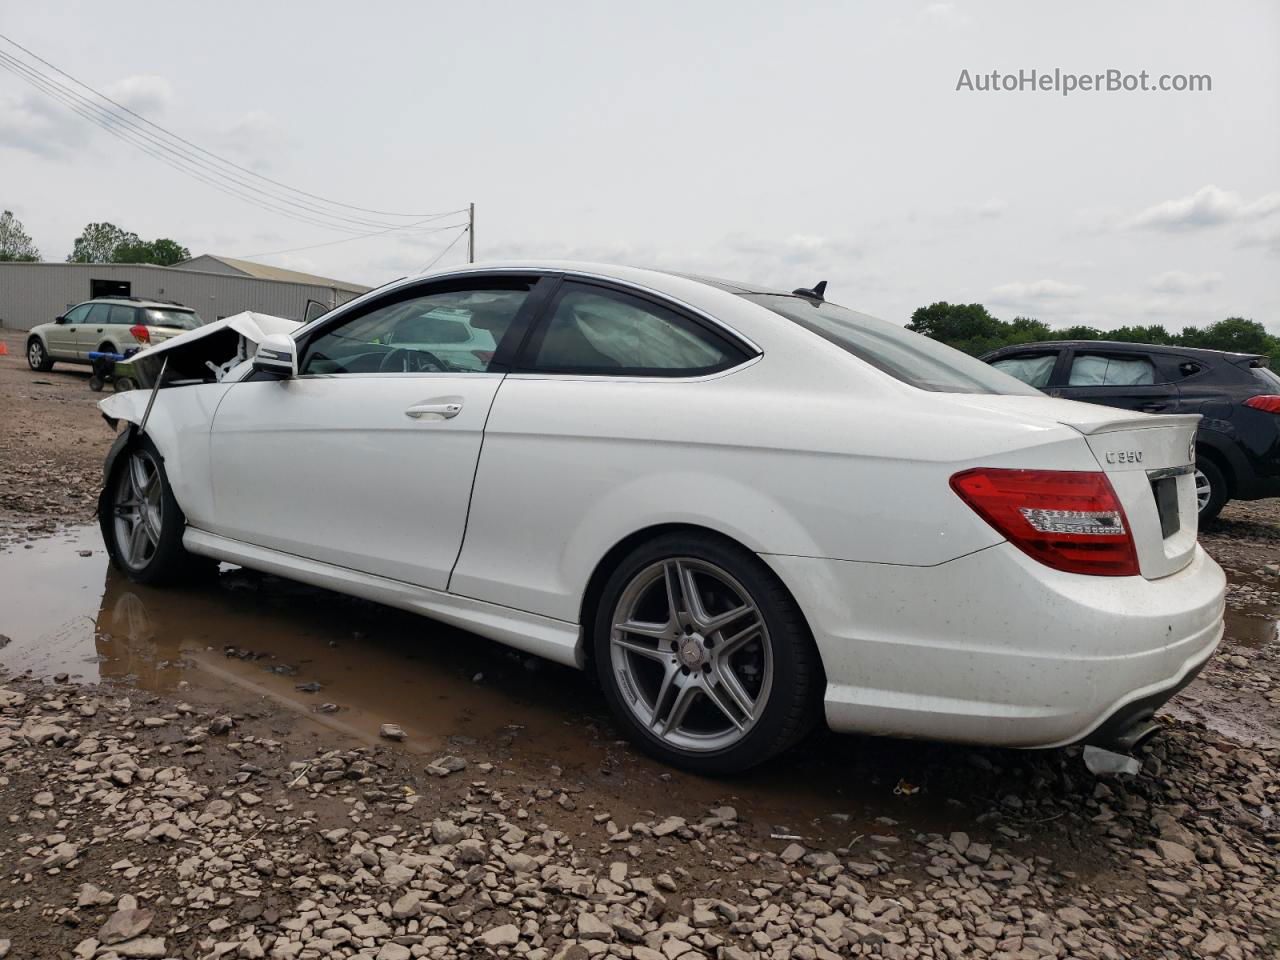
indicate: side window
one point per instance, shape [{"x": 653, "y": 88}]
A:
[
  {"x": 77, "y": 314},
  {"x": 1032, "y": 369},
  {"x": 445, "y": 331},
  {"x": 1098, "y": 370},
  {"x": 598, "y": 331},
  {"x": 98, "y": 313},
  {"x": 120, "y": 314}
]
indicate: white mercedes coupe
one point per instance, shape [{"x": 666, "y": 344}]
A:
[{"x": 742, "y": 509}]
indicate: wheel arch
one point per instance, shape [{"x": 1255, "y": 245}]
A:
[
  {"x": 1220, "y": 459},
  {"x": 606, "y": 565}
]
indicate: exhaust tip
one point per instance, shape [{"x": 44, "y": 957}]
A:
[{"x": 1133, "y": 737}]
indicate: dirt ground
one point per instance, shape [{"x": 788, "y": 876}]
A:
[{"x": 198, "y": 773}]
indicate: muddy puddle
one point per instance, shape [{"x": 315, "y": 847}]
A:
[{"x": 245, "y": 639}]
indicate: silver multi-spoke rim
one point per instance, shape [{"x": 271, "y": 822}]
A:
[
  {"x": 691, "y": 654},
  {"x": 1203, "y": 491},
  {"x": 35, "y": 355},
  {"x": 138, "y": 509}
]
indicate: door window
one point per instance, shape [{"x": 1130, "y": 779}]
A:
[
  {"x": 1032, "y": 369},
  {"x": 120, "y": 314},
  {"x": 599, "y": 331},
  {"x": 447, "y": 331},
  {"x": 1097, "y": 370},
  {"x": 98, "y": 313},
  {"x": 77, "y": 314}
]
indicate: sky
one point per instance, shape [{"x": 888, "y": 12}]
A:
[{"x": 776, "y": 143}]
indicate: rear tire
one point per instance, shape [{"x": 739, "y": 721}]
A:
[
  {"x": 1212, "y": 491},
  {"x": 141, "y": 522},
  {"x": 38, "y": 356},
  {"x": 703, "y": 655}
]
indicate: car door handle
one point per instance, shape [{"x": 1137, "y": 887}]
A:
[
  {"x": 1154, "y": 407},
  {"x": 434, "y": 411}
]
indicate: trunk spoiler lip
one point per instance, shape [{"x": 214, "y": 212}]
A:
[{"x": 1145, "y": 421}]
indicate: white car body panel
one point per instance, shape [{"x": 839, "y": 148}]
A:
[
  {"x": 928, "y": 622},
  {"x": 361, "y": 484}
]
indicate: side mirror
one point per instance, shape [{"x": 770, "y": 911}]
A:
[
  {"x": 60, "y": 319},
  {"x": 277, "y": 355}
]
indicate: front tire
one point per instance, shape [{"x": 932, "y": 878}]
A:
[
  {"x": 703, "y": 655},
  {"x": 1212, "y": 491},
  {"x": 141, "y": 521},
  {"x": 37, "y": 356}
]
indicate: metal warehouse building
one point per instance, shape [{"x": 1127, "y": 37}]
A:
[{"x": 215, "y": 287}]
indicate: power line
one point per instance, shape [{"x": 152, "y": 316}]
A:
[
  {"x": 436, "y": 259},
  {"x": 208, "y": 153},
  {"x": 363, "y": 236},
  {"x": 181, "y": 160}
]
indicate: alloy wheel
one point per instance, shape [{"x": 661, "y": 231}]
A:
[
  {"x": 690, "y": 651},
  {"x": 1204, "y": 490},
  {"x": 35, "y": 355},
  {"x": 138, "y": 509}
]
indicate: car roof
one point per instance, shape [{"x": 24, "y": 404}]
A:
[
  {"x": 139, "y": 302},
  {"x": 1121, "y": 346}
]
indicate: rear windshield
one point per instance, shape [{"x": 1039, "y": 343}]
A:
[
  {"x": 181, "y": 319},
  {"x": 910, "y": 357},
  {"x": 1269, "y": 378}
]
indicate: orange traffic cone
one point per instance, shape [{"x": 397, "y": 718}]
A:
[{"x": 4, "y": 349}]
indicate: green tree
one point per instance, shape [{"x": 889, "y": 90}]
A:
[
  {"x": 163, "y": 252},
  {"x": 965, "y": 326},
  {"x": 107, "y": 243},
  {"x": 1027, "y": 330},
  {"x": 15, "y": 242},
  {"x": 1151, "y": 333},
  {"x": 98, "y": 243},
  {"x": 1234, "y": 333}
]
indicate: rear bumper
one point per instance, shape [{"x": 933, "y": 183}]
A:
[{"x": 995, "y": 648}]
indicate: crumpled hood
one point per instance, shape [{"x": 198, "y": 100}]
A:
[{"x": 196, "y": 353}]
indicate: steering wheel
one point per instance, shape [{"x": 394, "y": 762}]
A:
[{"x": 405, "y": 360}]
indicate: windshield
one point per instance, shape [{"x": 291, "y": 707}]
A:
[
  {"x": 1268, "y": 377},
  {"x": 904, "y": 355},
  {"x": 179, "y": 319}
]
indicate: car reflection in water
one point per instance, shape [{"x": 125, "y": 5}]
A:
[{"x": 132, "y": 638}]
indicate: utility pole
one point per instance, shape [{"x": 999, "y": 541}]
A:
[{"x": 471, "y": 236}]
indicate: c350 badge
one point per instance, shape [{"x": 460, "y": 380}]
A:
[{"x": 1124, "y": 456}]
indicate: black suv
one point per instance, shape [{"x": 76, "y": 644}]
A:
[{"x": 1238, "y": 445}]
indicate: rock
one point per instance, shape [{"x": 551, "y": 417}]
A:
[
  {"x": 1175, "y": 852},
  {"x": 1075, "y": 917},
  {"x": 978, "y": 852},
  {"x": 125, "y": 925},
  {"x": 61, "y": 855},
  {"x": 391, "y": 731},
  {"x": 792, "y": 853},
  {"x": 446, "y": 831},
  {"x": 591, "y": 927},
  {"x": 507, "y": 935},
  {"x": 394, "y": 951},
  {"x": 1212, "y": 944},
  {"x": 443, "y": 766},
  {"x": 669, "y": 826},
  {"x": 43, "y": 799},
  {"x": 220, "y": 725},
  {"x": 1174, "y": 888},
  {"x": 143, "y": 948},
  {"x": 960, "y": 841},
  {"x": 407, "y": 906}
]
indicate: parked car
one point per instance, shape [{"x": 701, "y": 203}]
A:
[
  {"x": 1236, "y": 394},
  {"x": 740, "y": 508},
  {"x": 106, "y": 325}
]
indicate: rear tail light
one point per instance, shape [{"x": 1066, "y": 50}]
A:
[
  {"x": 1264, "y": 403},
  {"x": 1067, "y": 520},
  {"x": 140, "y": 333}
]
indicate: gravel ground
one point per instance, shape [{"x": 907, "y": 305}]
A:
[{"x": 139, "y": 824}]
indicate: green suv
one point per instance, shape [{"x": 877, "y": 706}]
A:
[{"x": 107, "y": 325}]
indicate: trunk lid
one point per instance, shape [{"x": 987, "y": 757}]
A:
[{"x": 1150, "y": 461}]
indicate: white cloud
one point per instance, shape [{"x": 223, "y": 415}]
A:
[
  {"x": 35, "y": 123},
  {"x": 1207, "y": 207},
  {"x": 943, "y": 12},
  {"x": 146, "y": 94},
  {"x": 1180, "y": 281},
  {"x": 1035, "y": 291}
]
